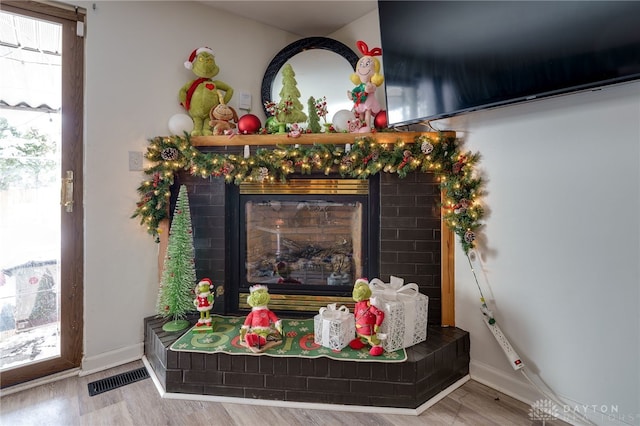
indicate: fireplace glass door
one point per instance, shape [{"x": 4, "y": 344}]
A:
[
  {"x": 304, "y": 243},
  {"x": 307, "y": 239}
]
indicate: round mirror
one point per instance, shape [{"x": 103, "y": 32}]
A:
[{"x": 322, "y": 67}]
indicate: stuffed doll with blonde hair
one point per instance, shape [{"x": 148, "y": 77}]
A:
[{"x": 367, "y": 79}]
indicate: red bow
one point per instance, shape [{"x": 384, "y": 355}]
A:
[{"x": 362, "y": 46}]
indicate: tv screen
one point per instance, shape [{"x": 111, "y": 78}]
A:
[{"x": 443, "y": 58}]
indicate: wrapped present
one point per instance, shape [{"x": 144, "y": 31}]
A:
[
  {"x": 405, "y": 309},
  {"x": 334, "y": 327}
]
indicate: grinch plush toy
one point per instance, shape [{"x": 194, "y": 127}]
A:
[
  {"x": 199, "y": 96},
  {"x": 204, "y": 303},
  {"x": 367, "y": 78},
  {"x": 261, "y": 329},
  {"x": 368, "y": 319}
]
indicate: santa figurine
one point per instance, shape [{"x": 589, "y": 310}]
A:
[
  {"x": 261, "y": 329},
  {"x": 204, "y": 302}
]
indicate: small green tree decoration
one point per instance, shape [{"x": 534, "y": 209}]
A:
[
  {"x": 175, "y": 298},
  {"x": 289, "y": 107},
  {"x": 314, "y": 118}
]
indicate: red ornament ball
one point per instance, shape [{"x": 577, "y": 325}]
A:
[
  {"x": 380, "y": 121},
  {"x": 248, "y": 124}
]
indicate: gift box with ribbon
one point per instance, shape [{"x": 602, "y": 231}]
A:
[
  {"x": 405, "y": 312},
  {"x": 334, "y": 327}
]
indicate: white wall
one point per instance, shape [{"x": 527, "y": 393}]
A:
[
  {"x": 563, "y": 180},
  {"x": 561, "y": 247},
  {"x": 134, "y": 69}
]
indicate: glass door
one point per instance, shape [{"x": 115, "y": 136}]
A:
[
  {"x": 30, "y": 235},
  {"x": 40, "y": 287},
  {"x": 30, "y": 157}
]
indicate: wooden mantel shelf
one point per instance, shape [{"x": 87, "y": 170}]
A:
[{"x": 311, "y": 138}]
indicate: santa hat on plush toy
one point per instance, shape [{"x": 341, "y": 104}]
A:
[
  {"x": 189, "y": 64},
  {"x": 258, "y": 287},
  {"x": 205, "y": 281},
  {"x": 361, "y": 281}
]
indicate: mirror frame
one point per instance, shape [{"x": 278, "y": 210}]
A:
[{"x": 293, "y": 49}]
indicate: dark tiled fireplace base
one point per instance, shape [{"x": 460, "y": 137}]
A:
[{"x": 431, "y": 367}]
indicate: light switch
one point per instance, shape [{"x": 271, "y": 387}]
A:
[
  {"x": 244, "y": 101},
  {"x": 135, "y": 161}
]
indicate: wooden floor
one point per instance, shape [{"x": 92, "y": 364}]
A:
[{"x": 67, "y": 402}]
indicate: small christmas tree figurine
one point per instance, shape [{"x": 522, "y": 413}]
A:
[
  {"x": 314, "y": 119},
  {"x": 289, "y": 107},
  {"x": 175, "y": 298}
]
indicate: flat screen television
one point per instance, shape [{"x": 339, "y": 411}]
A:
[{"x": 444, "y": 58}]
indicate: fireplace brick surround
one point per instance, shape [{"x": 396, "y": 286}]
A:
[{"x": 409, "y": 233}]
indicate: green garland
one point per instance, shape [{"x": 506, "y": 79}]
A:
[{"x": 441, "y": 155}]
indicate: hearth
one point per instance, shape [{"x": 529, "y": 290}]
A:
[{"x": 434, "y": 366}]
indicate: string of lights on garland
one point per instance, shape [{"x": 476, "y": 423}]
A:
[{"x": 462, "y": 209}]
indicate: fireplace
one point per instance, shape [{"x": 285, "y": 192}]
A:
[
  {"x": 307, "y": 239},
  {"x": 407, "y": 244},
  {"x": 400, "y": 220}
]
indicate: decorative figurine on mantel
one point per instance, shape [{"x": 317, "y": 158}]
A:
[
  {"x": 222, "y": 117},
  {"x": 368, "y": 319},
  {"x": 289, "y": 109},
  {"x": 204, "y": 303},
  {"x": 261, "y": 329},
  {"x": 199, "y": 96},
  {"x": 367, "y": 78}
]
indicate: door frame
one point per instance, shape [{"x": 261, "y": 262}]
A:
[{"x": 72, "y": 231}]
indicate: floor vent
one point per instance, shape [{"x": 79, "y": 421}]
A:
[{"x": 119, "y": 380}]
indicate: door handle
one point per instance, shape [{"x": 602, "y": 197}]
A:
[{"x": 66, "y": 196}]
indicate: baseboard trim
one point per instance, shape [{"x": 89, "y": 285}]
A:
[
  {"x": 304, "y": 405},
  {"x": 440, "y": 396},
  {"x": 41, "y": 381},
  {"x": 90, "y": 365},
  {"x": 107, "y": 360},
  {"x": 508, "y": 384}
]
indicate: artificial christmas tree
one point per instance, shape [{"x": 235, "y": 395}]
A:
[
  {"x": 289, "y": 109},
  {"x": 175, "y": 298}
]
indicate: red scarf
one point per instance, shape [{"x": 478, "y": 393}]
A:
[{"x": 187, "y": 103}]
